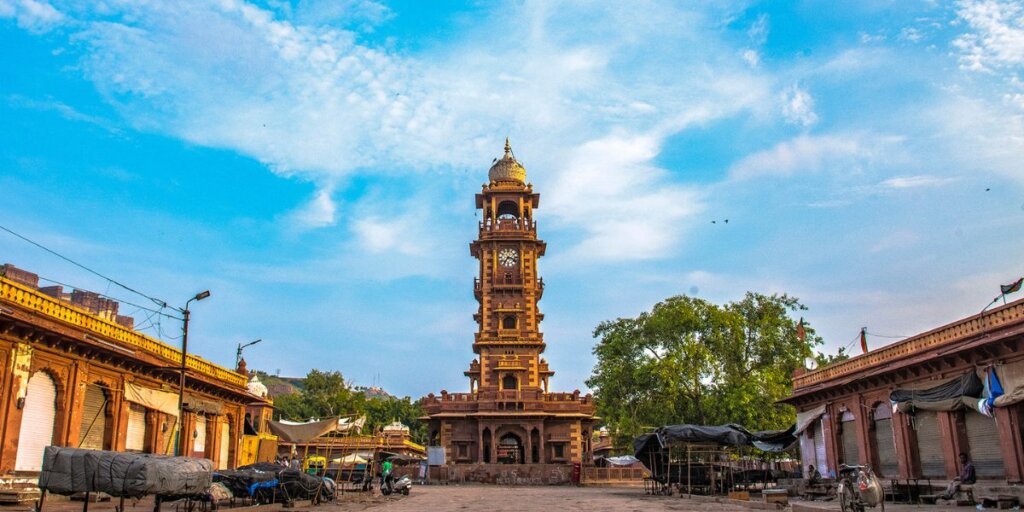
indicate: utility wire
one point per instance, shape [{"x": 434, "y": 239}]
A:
[
  {"x": 122, "y": 301},
  {"x": 884, "y": 336},
  {"x": 156, "y": 301}
]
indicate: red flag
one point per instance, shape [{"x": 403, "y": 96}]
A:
[
  {"x": 864, "y": 339},
  {"x": 801, "y": 334}
]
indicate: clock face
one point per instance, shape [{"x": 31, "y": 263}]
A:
[{"x": 507, "y": 257}]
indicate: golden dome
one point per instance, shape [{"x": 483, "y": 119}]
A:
[{"x": 507, "y": 168}]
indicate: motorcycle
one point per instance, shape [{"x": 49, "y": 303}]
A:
[
  {"x": 400, "y": 486},
  {"x": 859, "y": 487}
]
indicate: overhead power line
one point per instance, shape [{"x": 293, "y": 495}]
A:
[{"x": 158, "y": 302}]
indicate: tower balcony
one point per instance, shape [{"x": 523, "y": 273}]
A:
[{"x": 507, "y": 228}]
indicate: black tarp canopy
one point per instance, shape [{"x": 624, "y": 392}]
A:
[
  {"x": 720, "y": 435},
  {"x": 963, "y": 391}
]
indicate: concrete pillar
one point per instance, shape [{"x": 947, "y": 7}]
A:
[{"x": 828, "y": 423}]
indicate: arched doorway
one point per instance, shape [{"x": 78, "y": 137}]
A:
[
  {"x": 535, "y": 443},
  {"x": 37, "y": 421},
  {"x": 510, "y": 449},
  {"x": 486, "y": 446},
  {"x": 509, "y": 382},
  {"x": 884, "y": 441}
]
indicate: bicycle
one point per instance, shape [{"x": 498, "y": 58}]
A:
[{"x": 857, "y": 487}]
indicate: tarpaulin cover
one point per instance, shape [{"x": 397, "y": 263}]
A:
[
  {"x": 774, "y": 440},
  {"x": 1011, "y": 377},
  {"x": 68, "y": 471},
  {"x": 806, "y": 418},
  {"x": 303, "y": 432},
  {"x": 162, "y": 401},
  {"x": 958, "y": 393},
  {"x": 244, "y": 482},
  {"x": 193, "y": 403}
]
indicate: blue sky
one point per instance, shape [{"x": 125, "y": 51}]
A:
[{"x": 313, "y": 164}]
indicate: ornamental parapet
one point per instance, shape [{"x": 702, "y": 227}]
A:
[
  {"x": 14, "y": 295},
  {"x": 970, "y": 327},
  {"x": 531, "y": 400}
]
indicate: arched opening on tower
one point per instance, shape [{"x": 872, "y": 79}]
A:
[
  {"x": 509, "y": 322},
  {"x": 510, "y": 449},
  {"x": 508, "y": 210},
  {"x": 509, "y": 382}
]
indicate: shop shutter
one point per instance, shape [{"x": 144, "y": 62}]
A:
[
  {"x": 135, "y": 438},
  {"x": 819, "y": 448},
  {"x": 199, "y": 442},
  {"x": 929, "y": 444},
  {"x": 885, "y": 448},
  {"x": 851, "y": 455},
  {"x": 983, "y": 440},
  {"x": 94, "y": 419},
  {"x": 37, "y": 421},
  {"x": 808, "y": 457},
  {"x": 225, "y": 446}
]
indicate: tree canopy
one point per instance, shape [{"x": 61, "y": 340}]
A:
[
  {"x": 327, "y": 394},
  {"x": 691, "y": 361}
]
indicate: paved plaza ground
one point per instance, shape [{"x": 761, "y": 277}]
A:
[{"x": 443, "y": 498}]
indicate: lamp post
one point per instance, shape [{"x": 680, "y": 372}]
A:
[
  {"x": 238, "y": 353},
  {"x": 181, "y": 380}
]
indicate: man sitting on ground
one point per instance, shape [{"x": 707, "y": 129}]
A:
[
  {"x": 967, "y": 477},
  {"x": 813, "y": 476}
]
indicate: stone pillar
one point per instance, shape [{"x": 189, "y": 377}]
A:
[
  {"x": 1009, "y": 425},
  {"x": 954, "y": 440},
  {"x": 15, "y": 373},
  {"x": 906, "y": 446},
  {"x": 862, "y": 420}
]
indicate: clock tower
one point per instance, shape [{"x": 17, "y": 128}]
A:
[
  {"x": 508, "y": 338},
  {"x": 509, "y": 416}
]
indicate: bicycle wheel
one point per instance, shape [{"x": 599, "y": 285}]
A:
[{"x": 845, "y": 497}]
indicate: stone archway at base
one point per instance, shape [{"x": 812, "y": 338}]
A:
[{"x": 510, "y": 449}]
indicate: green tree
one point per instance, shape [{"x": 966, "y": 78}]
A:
[
  {"x": 324, "y": 394},
  {"x": 822, "y": 360},
  {"x": 691, "y": 361},
  {"x": 382, "y": 411}
]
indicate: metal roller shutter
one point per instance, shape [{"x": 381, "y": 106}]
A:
[
  {"x": 37, "y": 421},
  {"x": 225, "y": 446},
  {"x": 199, "y": 442},
  {"x": 929, "y": 444},
  {"x": 819, "y": 448},
  {"x": 885, "y": 448},
  {"x": 94, "y": 419},
  {"x": 851, "y": 455},
  {"x": 135, "y": 438},
  {"x": 983, "y": 440}
]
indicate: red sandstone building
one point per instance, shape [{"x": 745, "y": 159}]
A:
[
  {"x": 851, "y": 419},
  {"x": 72, "y": 374},
  {"x": 509, "y": 415}
]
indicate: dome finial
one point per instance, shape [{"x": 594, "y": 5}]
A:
[{"x": 508, "y": 147}]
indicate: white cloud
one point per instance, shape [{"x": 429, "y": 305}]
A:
[
  {"x": 629, "y": 210},
  {"x": 314, "y": 102},
  {"x": 919, "y": 181},
  {"x": 320, "y": 211},
  {"x": 751, "y": 57},
  {"x": 802, "y": 154},
  {"x": 798, "y": 106},
  {"x": 32, "y": 15},
  {"x": 377, "y": 235},
  {"x": 996, "y": 39}
]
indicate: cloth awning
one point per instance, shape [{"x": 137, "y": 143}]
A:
[
  {"x": 162, "y": 401},
  {"x": 954, "y": 394},
  {"x": 1011, "y": 377},
  {"x": 806, "y": 418},
  {"x": 303, "y": 432}
]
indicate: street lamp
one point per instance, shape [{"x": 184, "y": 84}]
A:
[
  {"x": 238, "y": 353},
  {"x": 184, "y": 358}
]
